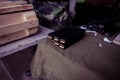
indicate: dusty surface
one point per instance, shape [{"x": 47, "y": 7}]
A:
[{"x": 85, "y": 60}]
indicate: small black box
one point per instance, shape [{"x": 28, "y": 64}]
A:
[
  {"x": 70, "y": 39},
  {"x": 56, "y": 34},
  {"x": 63, "y": 33}
]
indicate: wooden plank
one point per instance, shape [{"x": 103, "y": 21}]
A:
[
  {"x": 33, "y": 30},
  {"x": 29, "y": 15},
  {"x": 11, "y": 3},
  {"x": 17, "y": 35},
  {"x": 13, "y": 36},
  {"x": 117, "y": 40},
  {"x": 11, "y": 0},
  {"x": 15, "y": 8},
  {"x": 18, "y": 27},
  {"x": 10, "y": 19},
  {"x": 14, "y": 18},
  {"x": 11, "y": 48}
]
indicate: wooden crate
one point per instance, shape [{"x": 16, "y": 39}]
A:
[
  {"x": 11, "y": 3},
  {"x": 17, "y": 35},
  {"x": 17, "y": 21},
  {"x": 17, "y": 25},
  {"x": 15, "y": 8}
]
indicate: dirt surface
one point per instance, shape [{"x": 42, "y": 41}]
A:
[{"x": 85, "y": 60}]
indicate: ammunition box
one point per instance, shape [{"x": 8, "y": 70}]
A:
[
  {"x": 75, "y": 36},
  {"x": 63, "y": 33},
  {"x": 55, "y": 33}
]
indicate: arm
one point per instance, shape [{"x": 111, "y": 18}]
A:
[{"x": 72, "y": 4}]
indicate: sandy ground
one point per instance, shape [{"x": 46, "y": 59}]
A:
[{"x": 85, "y": 60}]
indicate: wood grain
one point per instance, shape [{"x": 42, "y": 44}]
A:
[
  {"x": 14, "y": 18},
  {"x": 15, "y": 8},
  {"x": 11, "y": 3},
  {"x": 17, "y": 35},
  {"x": 18, "y": 27}
]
